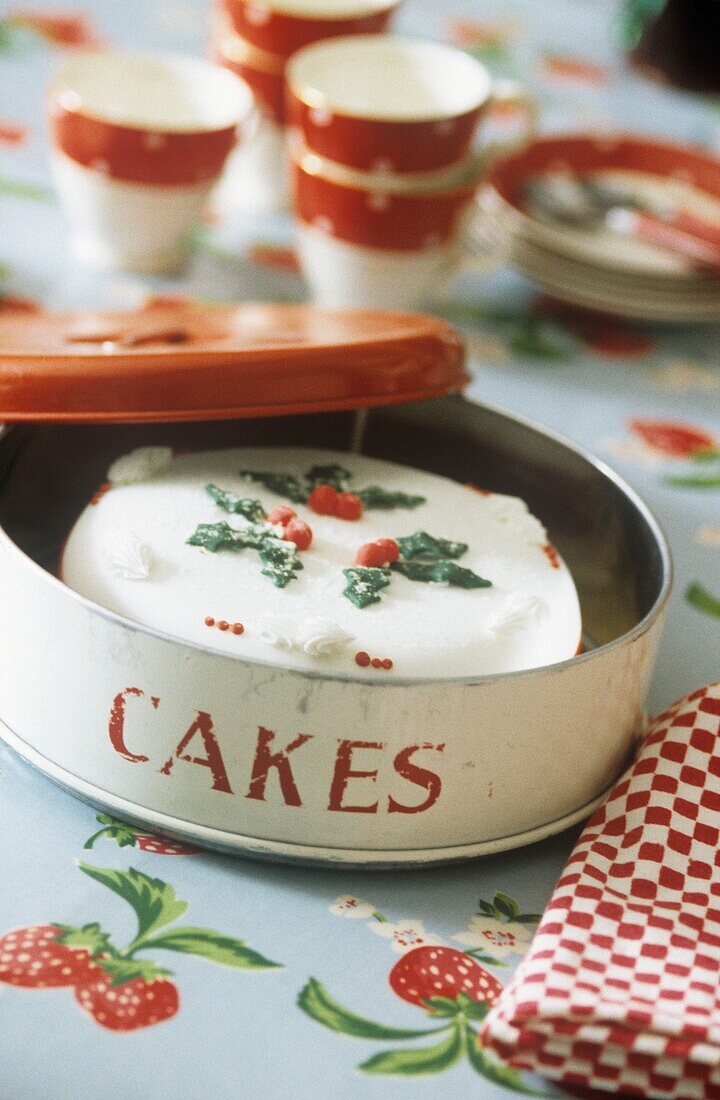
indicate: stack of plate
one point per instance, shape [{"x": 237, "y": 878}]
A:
[{"x": 598, "y": 268}]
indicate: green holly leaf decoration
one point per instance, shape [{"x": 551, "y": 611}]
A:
[
  {"x": 702, "y": 600},
  {"x": 298, "y": 489},
  {"x": 285, "y": 485},
  {"x": 364, "y": 584},
  {"x": 239, "y": 506},
  {"x": 225, "y": 950},
  {"x": 373, "y": 496},
  {"x": 90, "y": 936},
  {"x": 491, "y": 1071},
  {"x": 221, "y": 536},
  {"x": 440, "y": 572},
  {"x": 421, "y": 1061},
  {"x": 333, "y": 475},
  {"x": 423, "y": 545},
  {"x": 154, "y": 901},
  {"x": 125, "y": 970},
  {"x": 280, "y": 560},
  {"x": 317, "y": 1003}
]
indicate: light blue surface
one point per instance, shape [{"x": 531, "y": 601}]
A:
[{"x": 239, "y": 1033}]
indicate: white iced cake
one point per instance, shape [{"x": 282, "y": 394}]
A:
[{"x": 323, "y": 561}]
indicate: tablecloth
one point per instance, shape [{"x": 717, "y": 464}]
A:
[{"x": 329, "y": 1018}]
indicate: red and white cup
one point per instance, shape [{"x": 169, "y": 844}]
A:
[
  {"x": 390, "y": 103},
  {"x": 263, "y": 70},
  {"x": 375, "y": 246},
  {"x": 138, "y": 142},
  {"x": 284, "y": 26},
  {"x": 257, "y": 176}
]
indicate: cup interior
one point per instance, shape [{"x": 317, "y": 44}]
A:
[
  {"x": 159, "y": 92},
  {"x": 389, "y": 77}
]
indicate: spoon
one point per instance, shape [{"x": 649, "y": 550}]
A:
[{"x": 563, "y": 199}]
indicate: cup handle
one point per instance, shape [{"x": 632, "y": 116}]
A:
[
  {"x": 482, "y": 247},
  {"x": 247, "y": 130},
  {"x": 510, "y": 93}
]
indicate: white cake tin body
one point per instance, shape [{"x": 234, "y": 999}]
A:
[{"x": 250, "y": 757}]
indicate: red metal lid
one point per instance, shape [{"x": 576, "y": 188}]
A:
[{"x": 177, "y": 360}]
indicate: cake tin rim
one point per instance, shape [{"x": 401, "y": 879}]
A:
[
  {"x": 636, "y": 631},
  {"x": 280, "y": 851}
]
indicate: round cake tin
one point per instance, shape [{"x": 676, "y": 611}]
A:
[{"x": 265, "y": 761}]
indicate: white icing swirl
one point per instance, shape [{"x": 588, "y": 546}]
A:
[
  {"x": 516, "y": 614},
  {"x": 322, "y": 638},
  {"x": 316, "y": 637},
  {"x": 139, "y": 464},
  {"x": 128, "y": 557},
  {"x": 276, "y": 631}
]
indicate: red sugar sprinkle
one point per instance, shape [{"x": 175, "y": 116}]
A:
[
  {"x": 209, "y": 621},
  {"x": 237, "y": 628},
  {"x": 223, "y": 625},
  {"x": 387, "y": 663},
  {"x": 376, "y": 662},
  {"x": 362, "y": 658}
]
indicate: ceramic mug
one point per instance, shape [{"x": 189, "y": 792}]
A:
[
  {"x": 284, "y": 26},
  {"x": 389, "y": 103},
  {"x": 138, "y": 142},
  {"x": 378, "y": 247}
]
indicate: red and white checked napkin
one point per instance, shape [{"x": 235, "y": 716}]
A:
[{"x": 621, "y": 988}]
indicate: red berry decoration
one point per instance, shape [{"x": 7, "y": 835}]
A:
[
  {"x": 362, "y": 658},
  {"x": 429, "y": 971},
  {"x": 378, "y": 553},
  {"x": 300, "y": 533},
  {"x": 282, "y": 514},
  {"x": 390, "y": 548},
  {"x": 132, "y": 1005},
  {"x": 324, "y": 500},
  {"x": 349, "y": 506},
  {"x": 34, "y": 959}
]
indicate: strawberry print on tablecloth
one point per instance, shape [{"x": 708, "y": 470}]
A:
[
  {"x": 449, "y": 985},
  {"x": 120, "y": 988},
  {"x": 620, "y": 989},
  {"x": 127, "y": 836}
]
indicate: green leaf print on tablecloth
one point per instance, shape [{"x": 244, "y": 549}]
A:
[
  {"x": 449, "y": 985},
  {"x": 119, "y": 990},
  {"x": 704, "y": 601}
]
